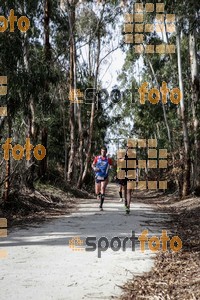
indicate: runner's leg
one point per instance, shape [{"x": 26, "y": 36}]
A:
[
  {"x": 103, "y": 186},
  {"x": 120, "y": 193},
  {"x": 103, "y": 189},
  {"x": 125, "y": 194},
  {"x": 106, "y": 183},
  {"x": 98, "y": 189},
  {"x": 129, "y": 192}
]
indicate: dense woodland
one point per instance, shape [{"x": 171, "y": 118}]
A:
[{"x": 45, "y": 64}]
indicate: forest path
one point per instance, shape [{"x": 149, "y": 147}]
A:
[{"x": 41, "y": 265}]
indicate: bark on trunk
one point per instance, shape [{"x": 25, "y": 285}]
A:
[
  {"x": 47, "y": 59},
  {"x": 8, "y": 165},
  {"x": 29, "y": 178},
  {"x": 47, "y": 46},
  {"x": 71, "y": 15},
  {"x": 187, "y": 162},
  {"x": 194, "y": 103},
  {"x": 88, "y": 153},
  {"x": 43, "y": 163}
]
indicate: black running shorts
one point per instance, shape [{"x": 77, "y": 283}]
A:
[{"x": 100, "y": 180}]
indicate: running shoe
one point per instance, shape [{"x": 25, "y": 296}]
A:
[
  {"x": 127, "y": 210},
  {"x": 121, "y": 200}
]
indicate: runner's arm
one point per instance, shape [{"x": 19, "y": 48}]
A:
[{"x": 94, "y": 165}]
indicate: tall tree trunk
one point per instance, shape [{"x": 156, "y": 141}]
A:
[
  {"x": 30, "y": 121},
  {"x": 92, "y": 114},
  {"x": 88, "y": 154},
  {"x": 31, "y": 134},
  {"x": 171, "y": 142},
  {"x": 43, "y": 163},
  {"x": 163, "y": 106},
  {"x": 194, "y": 103},
  {"x": 80, "y": 151},
  {"x": 187, "y": 161},
  {"x": 8, "y": 166},
  {"x": 71, "y": 14},
  {"x": 64, "y": 131},
  {"x": 47, "y": 46},
  {"x": 47, "y": 59}
]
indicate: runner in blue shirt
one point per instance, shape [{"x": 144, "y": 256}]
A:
[{"x": 101, "y": 166}]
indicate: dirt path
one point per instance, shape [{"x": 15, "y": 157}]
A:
[{"x": 41, "y": 265}]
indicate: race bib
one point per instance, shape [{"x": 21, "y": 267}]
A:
[{"x": 100, "y": 178}]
